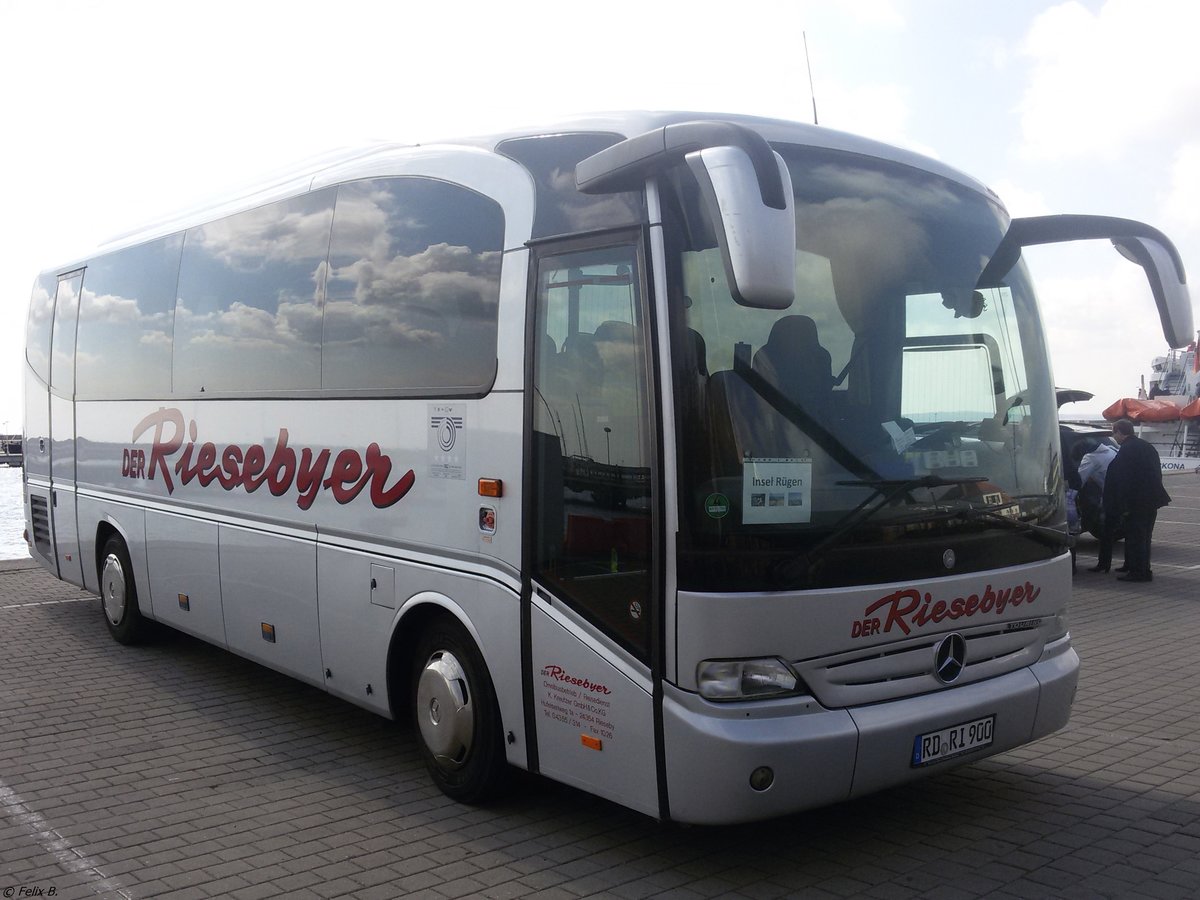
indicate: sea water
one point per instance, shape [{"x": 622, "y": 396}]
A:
[{"x": 12, "y": 515}]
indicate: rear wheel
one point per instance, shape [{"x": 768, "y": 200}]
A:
[
  {"x": 455, "y": 714},
  {"x": 118, "y": 595}
]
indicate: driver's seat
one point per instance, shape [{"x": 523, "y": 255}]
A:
[{"x": 794, "y": 361}]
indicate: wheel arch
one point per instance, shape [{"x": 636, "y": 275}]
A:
[
  {"x": 131, "y": 530},
  {"x": 133, "y": 625},
  {"x": 106, "y": 529},
  {"x": 417, "y": 613}
]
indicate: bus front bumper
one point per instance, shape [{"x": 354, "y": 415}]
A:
[{"x": 820, "y": 756}]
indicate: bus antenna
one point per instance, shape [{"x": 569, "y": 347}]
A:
[{"x": 811, "y": 90}]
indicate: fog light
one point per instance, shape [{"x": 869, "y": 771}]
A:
[{"x": 762, "y": 778}]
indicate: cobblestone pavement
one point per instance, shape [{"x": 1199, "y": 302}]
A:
[{"x": 180, "y": 770}]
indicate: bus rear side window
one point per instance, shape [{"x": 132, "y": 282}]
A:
[
  {"x": 62, "y": 342},
  {"x": 125, "y": 321},
  {"x": 37, "y": 333}
]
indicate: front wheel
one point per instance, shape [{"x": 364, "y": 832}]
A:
[
  {"x": 456, "y": 718},
  {"x": 118, "y": 595}
]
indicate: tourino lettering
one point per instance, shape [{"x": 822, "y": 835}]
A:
[
  {"x": 306, "y": 473},
  {"x": 906, "y": 609}
]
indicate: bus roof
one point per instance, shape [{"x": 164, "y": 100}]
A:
[{"x": 302, "y": 175}]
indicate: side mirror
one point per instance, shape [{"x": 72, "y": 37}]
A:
[
  {"x": 757, "y": 240},
  {"x": 746, "y": 189},
  {"x": 1136, "y": 241},
  {"x": 1167, "y": 283}
]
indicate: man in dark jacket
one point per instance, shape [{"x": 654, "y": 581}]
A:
[{"x": 1133, "y": 491}]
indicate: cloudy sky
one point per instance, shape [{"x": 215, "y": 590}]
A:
[{"x": 115, "y": 113}]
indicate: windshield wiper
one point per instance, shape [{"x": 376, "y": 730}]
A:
[
  {"x": 1050, "y": 536},
  {"x": 886, "y": 488},
  {"x": 806, "y": 422}
]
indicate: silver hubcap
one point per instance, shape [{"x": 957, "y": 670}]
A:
[
  {"x": 444, "y": 712},
  {"x": 112, "y": 589}
]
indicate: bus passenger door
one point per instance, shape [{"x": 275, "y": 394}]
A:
[{"x": 591, "y": 595}]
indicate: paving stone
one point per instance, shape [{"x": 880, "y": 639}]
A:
[{"x": 178, "y": 769}]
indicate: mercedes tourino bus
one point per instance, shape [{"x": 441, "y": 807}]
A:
[{"x": 707, "y": 463}]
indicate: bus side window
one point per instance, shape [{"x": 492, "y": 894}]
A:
[
  {"x": 247, "y": 313},
  {"x": 591, "y": 441},
  {"x": 37, "y": 333},
  {"x": 414, "y": 287},
  {"x": 62, "y": 342},
  {"x": 126, "y": 315}
]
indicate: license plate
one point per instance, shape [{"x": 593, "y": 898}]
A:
[{"x": 937, "y": 746}]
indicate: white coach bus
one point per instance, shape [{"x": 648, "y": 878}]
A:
[{"x": 709, "y": 464}]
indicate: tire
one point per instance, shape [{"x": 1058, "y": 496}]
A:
[
  {"x": 118, "y": 595},
  {"x": 455, "y": 716}
]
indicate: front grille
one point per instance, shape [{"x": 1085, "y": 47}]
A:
[
  {"x": 905, "y": 669},
  {"x": 39, "y": 520}
]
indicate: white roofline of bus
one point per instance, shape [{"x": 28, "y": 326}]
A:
[
  {"x": 301, "y": 176},
  {"x": 633, "y": 123}
]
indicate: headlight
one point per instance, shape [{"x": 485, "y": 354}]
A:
[{"x": 744, "y": 679}]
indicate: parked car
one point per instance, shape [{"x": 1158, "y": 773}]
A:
[{"x": 1078, "y": 439}]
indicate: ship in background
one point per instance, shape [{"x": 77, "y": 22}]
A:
[
  {"x": 11, "y": 452},
  {"x": 1167, "y": 413}
]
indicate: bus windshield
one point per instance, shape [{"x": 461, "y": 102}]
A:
[{"x": 898, "y": 421}]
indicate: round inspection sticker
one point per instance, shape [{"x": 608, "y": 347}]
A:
[{"x": 717, "y": 506}]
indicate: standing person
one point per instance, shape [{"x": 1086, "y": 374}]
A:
[
  {"x": 1134, "y": 480},
  {"x": 1093, "y": 469}
]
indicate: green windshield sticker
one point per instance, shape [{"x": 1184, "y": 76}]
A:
[{"x": 717, "y": 506}]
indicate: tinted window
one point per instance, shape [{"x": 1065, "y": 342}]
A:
[
  {"x": 798, "y": 428},
  {"x": 125, "y": 317},
  {"x": 62, "y": 343},
  {"x": 561, "y": 208},
  {"x": 592, "y": 441},
  {"x": 248, "y": 315},
  {"x": 414, "y": 287},
  {"x": 37, "y": 333}
]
